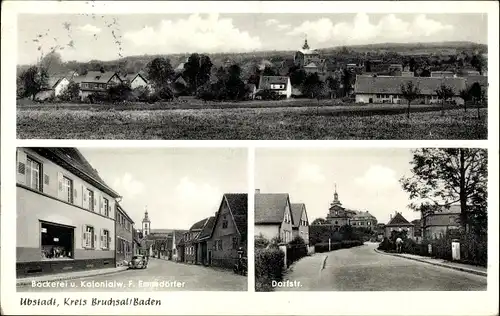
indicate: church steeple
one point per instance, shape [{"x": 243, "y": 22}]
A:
[
  {"x": 336, "y": 197},
  {"x": 306, "y": 46},
  {"x": 146, "y": 223}
]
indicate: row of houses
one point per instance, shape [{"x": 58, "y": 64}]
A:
[
  {"x": 215, "y": 241},
  {"x": 277, "y": 217},
  {"x": 68, "y": 218}
]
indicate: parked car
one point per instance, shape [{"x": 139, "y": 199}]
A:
[{"x": 138, "y": 262}]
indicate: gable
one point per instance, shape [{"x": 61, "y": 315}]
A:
[{"x": 270, "y": 207}]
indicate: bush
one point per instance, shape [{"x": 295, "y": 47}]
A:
[
  {"x": 387, "y": 245},
  {"x": 261, "y": 242},
  {"x": 269, "y": 266}
]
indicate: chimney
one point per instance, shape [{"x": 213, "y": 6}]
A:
[{"x": 257, "y": 191}]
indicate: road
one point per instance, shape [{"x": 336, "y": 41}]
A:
[
  {"x": 177, "y": 277},
  {"x": 363, "y": 269}
]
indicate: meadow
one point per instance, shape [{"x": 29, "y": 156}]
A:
[{"x": 248, "y": 121}]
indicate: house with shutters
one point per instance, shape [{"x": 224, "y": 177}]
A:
[
  {"x": 229, "y": 232},
  {"x": 65, "y": 213},
  {"x": 124, "y": 239},
  {"x": 273, "y": 216},
  {"x": 278, "y": 84},
  {"x": 300, "y": 221}
]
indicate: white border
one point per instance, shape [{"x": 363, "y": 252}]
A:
[{"x": 250, "y": 303}]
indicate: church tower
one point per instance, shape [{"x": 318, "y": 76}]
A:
[
  {"x": 306, "y": 46},
  {"x": 336, "y": 201},
  {"x": 146, "y": 224}
]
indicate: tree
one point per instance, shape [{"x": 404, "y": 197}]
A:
[
  {"x": 476, "y": 92},
  {"x": 297, "y": 77},
  {"x": 333, "y": 85},
  {"x": 443, "y": 177},
  {"x": 71, "y": 92},
  {"x": 465, "y": 95},
  {"x": 205, "y": 70},
  {"x": 478, "y": 62},
  {"x": 33, "y": 80},
  {"x": 347, "y": 78},
  {"x": 319, "y": 221},
  {"x": 269, "y": 71},
  {"x": 410, "y": 92},
  {"x": 53, "y": 62},
  {"x": 444, "y": 93},
  {"x": 159, "y": 72},
  {"x": 312, "y": 85}
]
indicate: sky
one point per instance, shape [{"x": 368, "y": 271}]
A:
[
  {"x": 178, "y": 186},
  {"x": 366, "y": 179},
  {"x": 107, "y": 37}
]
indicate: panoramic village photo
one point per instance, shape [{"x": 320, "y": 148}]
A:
[
  {"x": 371, "y": 219},
  {"x": 252, "y": 76},
  {"x": 162, "y": 219}
]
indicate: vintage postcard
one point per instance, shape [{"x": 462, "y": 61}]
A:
[
  {"x": 371, "y": 219},
  {"x": 252, "y": 76}
]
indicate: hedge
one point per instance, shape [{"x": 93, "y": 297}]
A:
[
  {"x": 269, "y": 266},
  {"x": 324, "y": 247}
]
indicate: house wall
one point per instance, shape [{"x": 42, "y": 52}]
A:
[
  {"x": 124, "y": 238},
  {"x": 286, "y": 227},
  {"x": 61, "y": 86},
  {"x": 138, "y": 82},
  {"x": 303, "y": 230},
  {"x": 228, "y": 237},
  {"x": 366, "y": 223},
  {"x": 47, "y": 204},
  {"x": 269, "y": 231}
]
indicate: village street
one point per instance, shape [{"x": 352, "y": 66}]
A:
[
  {"x": 176, "y": 277},
  {"x": 363, "y": 269}
]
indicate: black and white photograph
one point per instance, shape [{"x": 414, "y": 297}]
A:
[
  {"x": 252, "y": 76},
  {"x": 123, "y": 219},
  {"x": 371, "y": 219}
]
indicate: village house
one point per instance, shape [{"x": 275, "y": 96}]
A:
[
  {"x": 65, "y": 213},
  {"x": 203, "y": 254},
  {"x": 279, "y": 84},
  {"x": 399, "y": 223},
  {"x": 364, "y": 220},
  {"x": 338, "y": 215},
  {"x": 387, "y": 89},
  {"x": 300, "y": 221},
  {"x": 96, "y": 82},
  {"x": 437, "y": 223},
  {"x": 190, "y": 241},
  {"x": 124, "y": 243},
  {"x": 229, "y": 234},
  {"x": 56, "y": 84},
  {"x": 135, "y": 80},
  {"x": 273, "y": 216}
]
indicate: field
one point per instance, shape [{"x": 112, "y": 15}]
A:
[{"x": 247, "y": 121}]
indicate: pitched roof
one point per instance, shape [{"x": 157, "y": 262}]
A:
[
  {"x": 270, "y": 207},
  {"x": 198, "y": 225},
  {"x": 482, "y": 80},
  {"x": 161, "y": 231},
  {"x": 266, "y": 81},
  {"x": 238, "y": 205},
  {"x": 297, "y": 209},
  {"x": 309, "y": 52},
  {"x": 121, "y": 210},
  {"x": 206, "y": 232},
  {"x": 392, "y": 85},
  {"x": 311, "y": 65},
  {"x": 131, "y": 77},
  {"x": 97, "y": 77},
  {"x": 178, "y": 234},
  {"x": 399, "y": 220},
  {"x": 361, "y": 214},
  {"x": 73, "y": 160}
]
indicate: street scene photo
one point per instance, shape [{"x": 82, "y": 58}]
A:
[
  {"x": 252, "y": 76},
  {"x": 131, "y": 219},
  {"x": 371, "y": 219}
]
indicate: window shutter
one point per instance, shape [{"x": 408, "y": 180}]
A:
[
  {"x": 102, "y": 238},
  {"x": 101, "y": 203},
  {"x": 21, "y": 166},
  {"x": 95, "y": 201},
  {"x": 84, "y": 237},
  {"x": 75, "y": 193},
  {"x": 46, "y": 179},
  {"x": 60, "y": 181}
]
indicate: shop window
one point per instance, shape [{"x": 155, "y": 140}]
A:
[{"x": 56, "y": 241}]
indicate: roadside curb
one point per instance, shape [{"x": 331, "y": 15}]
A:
[
  {"x": 323, "y": 263},
  {"x": 472, "y": 271},
  {"x": 69, "y": 277}
]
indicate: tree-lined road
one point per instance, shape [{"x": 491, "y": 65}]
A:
[
  {"x": 363, "y": 269},
  {"x": 160, "y": 275}
]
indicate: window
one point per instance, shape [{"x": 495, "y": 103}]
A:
[
  {"x": 224, "y": 221},
  {"x": 90, "y": 193},
  {"x": 235, "y": 243},
  {"x": 33, "y": 174},
  {"x": 218, "y": 245},
  {"x": 105, "y": 239},
  {"x": 56, "y": 241},
  {"x": 106, "y": 207},
  {"x": 68, "y": 189},
  {"x": 88, "y": 237}
]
